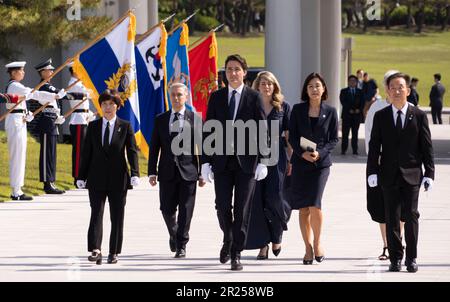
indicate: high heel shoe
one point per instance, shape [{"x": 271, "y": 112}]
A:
[
  {"x": 319, "y": 258},
  {"x": 277, "y": 251},
  {"x": 308, "y": 261},
  {"x": 265, "y": 255},
  {"x": 383, "y": 256}
]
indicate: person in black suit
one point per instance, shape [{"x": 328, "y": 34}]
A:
[
  {"x": 235, "y": 171},
  {"x": 104, "y": 171},
  {"x": 401, "y": 131},
  {"x": 177, "y": 173},
  {"x": 352, "y": 102},
  {"x": 413, "y": 97},
  {"x": 318, "y": 123},
  {"x": 437, "y": 99},
  {"x": 270, "y": 210}
]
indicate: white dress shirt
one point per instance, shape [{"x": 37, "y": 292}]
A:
[
  {"x": 237, "y": 97},
  {"x": 180, "y": 118},
  {"x": 112, "y": 122},
  {"x": 403, "y": 115}
]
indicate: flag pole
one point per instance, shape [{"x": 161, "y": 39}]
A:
[
  {"x": 182, "y": 22},
  {"x": 199, "y": 40},
  {"x": 148, "y": 32}
]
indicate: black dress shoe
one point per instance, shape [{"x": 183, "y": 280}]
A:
[
  {"x": 224, "y": 253},
  {"x": 96, "y": 257},
  {"x": 395, "y": 266},
  {"x": 50, "y": 188},
  {"x": 236, "y": 265},
  {"x": 319, "y": 258},
  {"x": 277, "y": 251},
  {"x": 112, "y": 258},
  {"x": 411, "y": 266},
  {"x": 21, "y": 197},
  {"x": 172, "y": 244},
  {"x": 181, "y": 253}
]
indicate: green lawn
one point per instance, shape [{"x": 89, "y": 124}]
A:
[
  {"x": 32, "y": 184},
  {"x": 418, "y": 55}
]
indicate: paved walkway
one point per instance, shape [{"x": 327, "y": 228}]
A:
[{"x": 45, "y": 240}]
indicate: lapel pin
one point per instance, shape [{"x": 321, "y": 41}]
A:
[
  {"x": 410, "y": 117},
  {"x": 118, "y": 130},
  {"x": 324, "y": 116}
]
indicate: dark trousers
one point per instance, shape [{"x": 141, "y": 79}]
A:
[
  {"x": 401, "y": 199},
  {"x": 77, "y": 135},
  {"x": 350, "y": 123},
  {"x": 436, "y": 113},
  {"x": 234, "y": 217},
  {"x": 178, "y": 193},
  {"x": 117, "y": 201},
  {"x": 47, "y": 157}
]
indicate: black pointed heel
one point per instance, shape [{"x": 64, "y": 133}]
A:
[{"x": 265, "y": 256}]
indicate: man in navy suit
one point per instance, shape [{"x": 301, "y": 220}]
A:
[{"x": 437, "y": 99}]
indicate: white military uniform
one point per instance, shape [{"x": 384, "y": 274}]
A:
[
  {"x": 77, "y": 117},
  {"x": 16, "y": 131}
]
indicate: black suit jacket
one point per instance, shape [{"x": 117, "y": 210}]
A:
[
  {"x": 324, "y": 134},
  {"x": 351, "y": 103},
  {"x": 106, "y": 171},
  {"x": 403, "y": 154},
  {"x": 160, "y": 144},
  {"x": 437, "y": 94},
  {"x": 249, "y": 109}
]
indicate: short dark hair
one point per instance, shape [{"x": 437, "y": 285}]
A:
[
  {"x": 305, "y": 96},
  {"x": 11, "y": 69},
  {"x": 395, "y": 76},
  {"x": 352, "y": 76},
  {"x": 408, "y": 80},
  {"x": 237, "y": 58},
  {"x": 110, "y": 95},
  {"x": 437, "y": 76},
  {"x": 414, "y": 80},
  {"x": 365, "y": 74}
]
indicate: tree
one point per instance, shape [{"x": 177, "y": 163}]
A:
[
  {"x": 388, "y": 8},
  {"x": 46, "y": 23}
]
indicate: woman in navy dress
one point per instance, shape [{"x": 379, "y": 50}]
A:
[
  {"x": 270, "y": 211},
  {"x": 317, "y": 122}
]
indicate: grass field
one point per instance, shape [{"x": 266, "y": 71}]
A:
[
  {"x": 418, "y": 55},
  {"x": 32, "y": 184}
]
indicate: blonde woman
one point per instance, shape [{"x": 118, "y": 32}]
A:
[{"x": 270, "y": 211}]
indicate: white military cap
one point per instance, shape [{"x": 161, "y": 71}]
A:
[{"x": 16, "y": 64}]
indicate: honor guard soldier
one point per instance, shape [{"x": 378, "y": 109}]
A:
[
  {"x": 16, "y": 127},
  {"x": 48, "y": 131},
  {"x": 79, "y": 120}
]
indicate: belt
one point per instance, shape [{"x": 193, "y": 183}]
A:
[
  {"x": 18, "y": 111},
  {"x": 50, "y": 110},
  {"x": 81, "y": 110}
]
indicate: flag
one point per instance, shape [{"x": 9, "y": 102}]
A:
[
  {"x": 177, "y": 61},
  {"x": 203, "y": 72},
  {"x": 150, "y": 69},
  {"x": 110, "y": 64}
]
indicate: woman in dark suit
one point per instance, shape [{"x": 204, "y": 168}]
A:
[
  {"x": 270, "y": 211},
  {"x": 317, "y": 122},
  {"x": 104, "y": 171}
]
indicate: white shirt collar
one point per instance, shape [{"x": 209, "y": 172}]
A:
[
  {"x": 111, "y": 122},
  {"x": 238, "y": 90},
  {"x": 403, "y": 110},
  {"x": 181, "y": 112}
]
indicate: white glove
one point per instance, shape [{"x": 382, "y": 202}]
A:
[
  {"x": 261, "y": 172},
  {"x": 427, "y": 183},
  {"x": 60, "y": 120},
  {"x": 91, "y": 116},
  {"x": 81, "y": 184},
  {"x": 29, "y": 117},
  {"x": 207, "y": 173},
  {"x": 135, "y": 181},
  {"x": 62, "y": 93},
  {"x": 372, "y": 180}
]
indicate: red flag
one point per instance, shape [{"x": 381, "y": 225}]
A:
[{"x": 203, "y": 72}]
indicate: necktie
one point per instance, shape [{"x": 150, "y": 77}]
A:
[
  {"x": 232, "y": 105},
  {"x": 106, "y": 137},
  {"x": 398, "y": 124},
  {"x": 175, "y": 128},
  {"x": 353, "y": 92}
]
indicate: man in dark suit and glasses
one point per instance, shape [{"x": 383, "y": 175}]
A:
[
  {"x": 401, "y": 131},
  {"x": 104, "y": 171},
  {"x": 177, "y": 173},
  {"x": 352, "y": 101},
  {"x": 437, "y": 99},
  {"x": 234, "y": 174}
]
